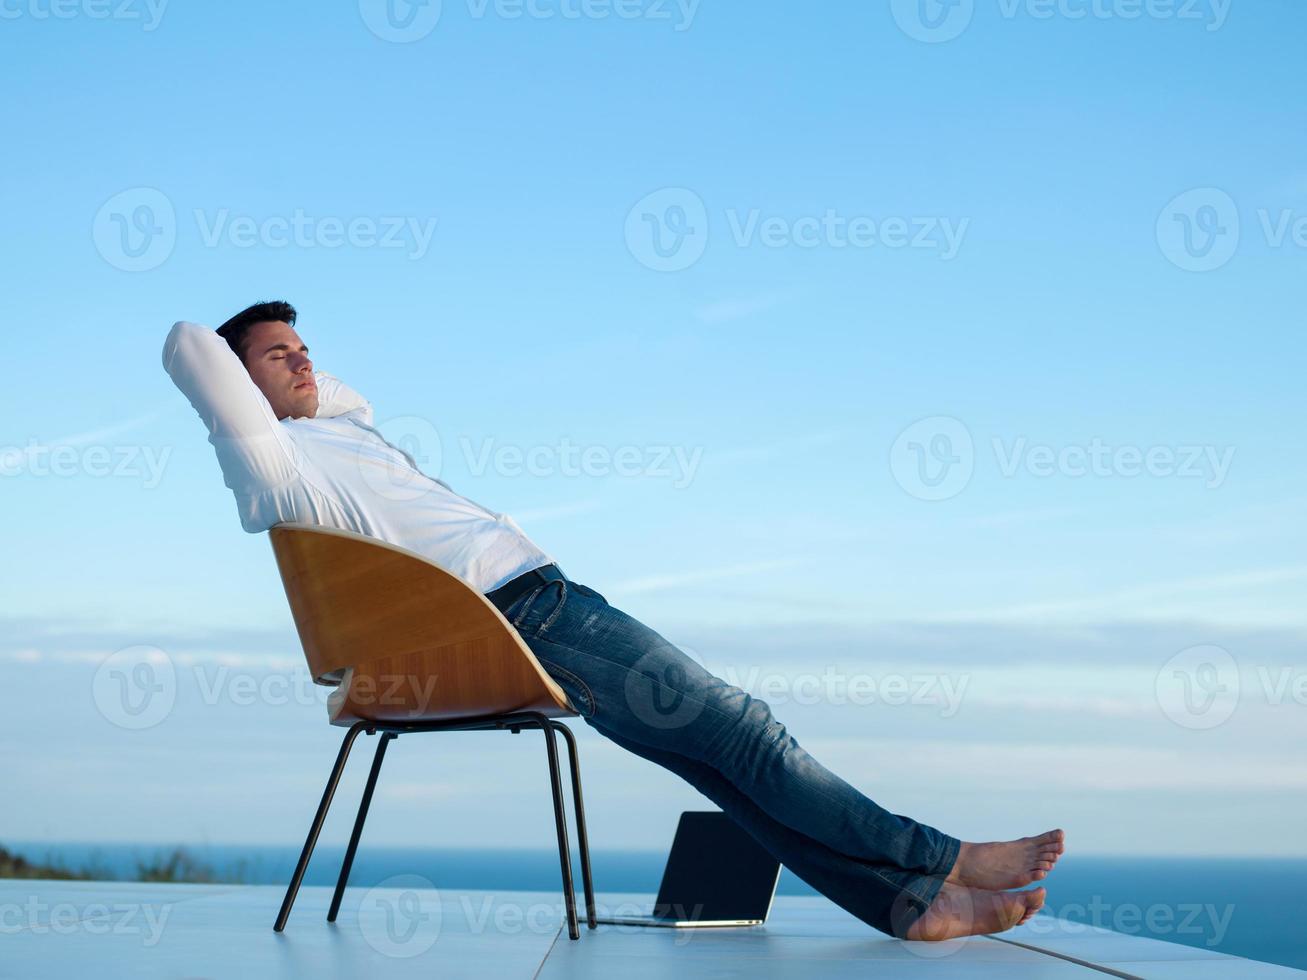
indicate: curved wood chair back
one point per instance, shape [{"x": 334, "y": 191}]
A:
[{"x": 405, "y": 639}]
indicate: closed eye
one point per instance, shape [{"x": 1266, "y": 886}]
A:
[{"x": 282, "y": 350}]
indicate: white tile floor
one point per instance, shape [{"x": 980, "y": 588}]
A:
[{"x": 109, "y": 929}]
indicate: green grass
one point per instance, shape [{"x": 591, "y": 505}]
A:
[{"x": 175, "y": 865}]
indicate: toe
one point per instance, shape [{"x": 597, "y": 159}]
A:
[{"x": 1031, "y": 902}]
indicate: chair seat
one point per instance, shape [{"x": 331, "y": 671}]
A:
[
  {"x": 362, "y": 695},
  {"x": 405, "y": 639}
]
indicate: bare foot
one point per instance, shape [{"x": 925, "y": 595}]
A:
[
  {"x": 961, "y": 911},
  {"x": 1007, "y": 864}
]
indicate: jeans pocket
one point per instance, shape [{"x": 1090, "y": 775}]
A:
[
  {"x": 537, "y": 611},
  {"x": 577, "y": 690}
]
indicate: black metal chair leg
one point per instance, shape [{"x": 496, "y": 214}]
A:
[
  {"x": 560, "y": 821},
  {"x": 316, "y": 829},
  {"x": 514, "y": 723},
  {"x": 358, "y": 825},
  {"x": 583, "y": 842}
]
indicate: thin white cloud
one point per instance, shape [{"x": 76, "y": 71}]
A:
[
  {"x": 1015, "y": 517},
  {"x": 539, "y": 515},
  {"x": 1252, "y": 524},
  {"x": 739, "y": 308},
  {"x": 998, "y": 766},
  {"x": 676, "y": 580},
  {"x": 94, "y": 437},
  {"x": 246, "y": 661},
  {"x": 1173, "y": 599},
  {"x": 776, "y": 450}
]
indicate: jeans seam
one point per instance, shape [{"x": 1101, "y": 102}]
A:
[
  {"x": 517, "y": 620},
  {"x": 585, "y": 688},
  {"x": 923, "y": 898},
  {"x": 558, "y": 610},
  {"x": 909, "y": 887},
  {"x": 952, "y": 846}
]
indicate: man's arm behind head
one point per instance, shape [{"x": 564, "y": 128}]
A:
[{"x": 335, "y": 398}]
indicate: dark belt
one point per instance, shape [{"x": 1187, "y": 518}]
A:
[{"x": 507, "y": 594}]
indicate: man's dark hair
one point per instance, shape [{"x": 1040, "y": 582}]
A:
[{"x": 234, "y": 331}]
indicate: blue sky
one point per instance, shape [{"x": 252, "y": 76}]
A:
[{"x": 974, "y": 361}]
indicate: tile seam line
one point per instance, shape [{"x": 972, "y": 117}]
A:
[
  {"x": 545, "y": 959},
  {"x": 1070, "y": 959}
]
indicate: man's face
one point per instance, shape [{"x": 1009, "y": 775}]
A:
[{"x": 279, "y": 363}]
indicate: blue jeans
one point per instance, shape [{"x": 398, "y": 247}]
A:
[{"x": 645, "y": 694}]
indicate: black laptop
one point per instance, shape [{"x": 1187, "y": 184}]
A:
[{"x": 716, "y": 875}]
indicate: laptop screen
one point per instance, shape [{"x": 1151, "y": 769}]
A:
[{"x": 716, "y": 871}]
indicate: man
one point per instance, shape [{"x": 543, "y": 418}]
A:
[{"x": 299, "y": 446}]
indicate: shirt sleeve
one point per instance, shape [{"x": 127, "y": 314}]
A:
[
  {"x": 335, "y": 398},
  {"x": 254, "y": 449}
]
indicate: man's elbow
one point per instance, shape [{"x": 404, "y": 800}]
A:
[{"x": 181, "y": 338}]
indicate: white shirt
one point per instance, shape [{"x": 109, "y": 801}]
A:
[{"x": 336, "y": 470}]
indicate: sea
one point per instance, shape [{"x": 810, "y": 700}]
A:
[{"x": 1250, "y": 907}]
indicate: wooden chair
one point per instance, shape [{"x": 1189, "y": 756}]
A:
[{"x": 410, "y": 648}]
